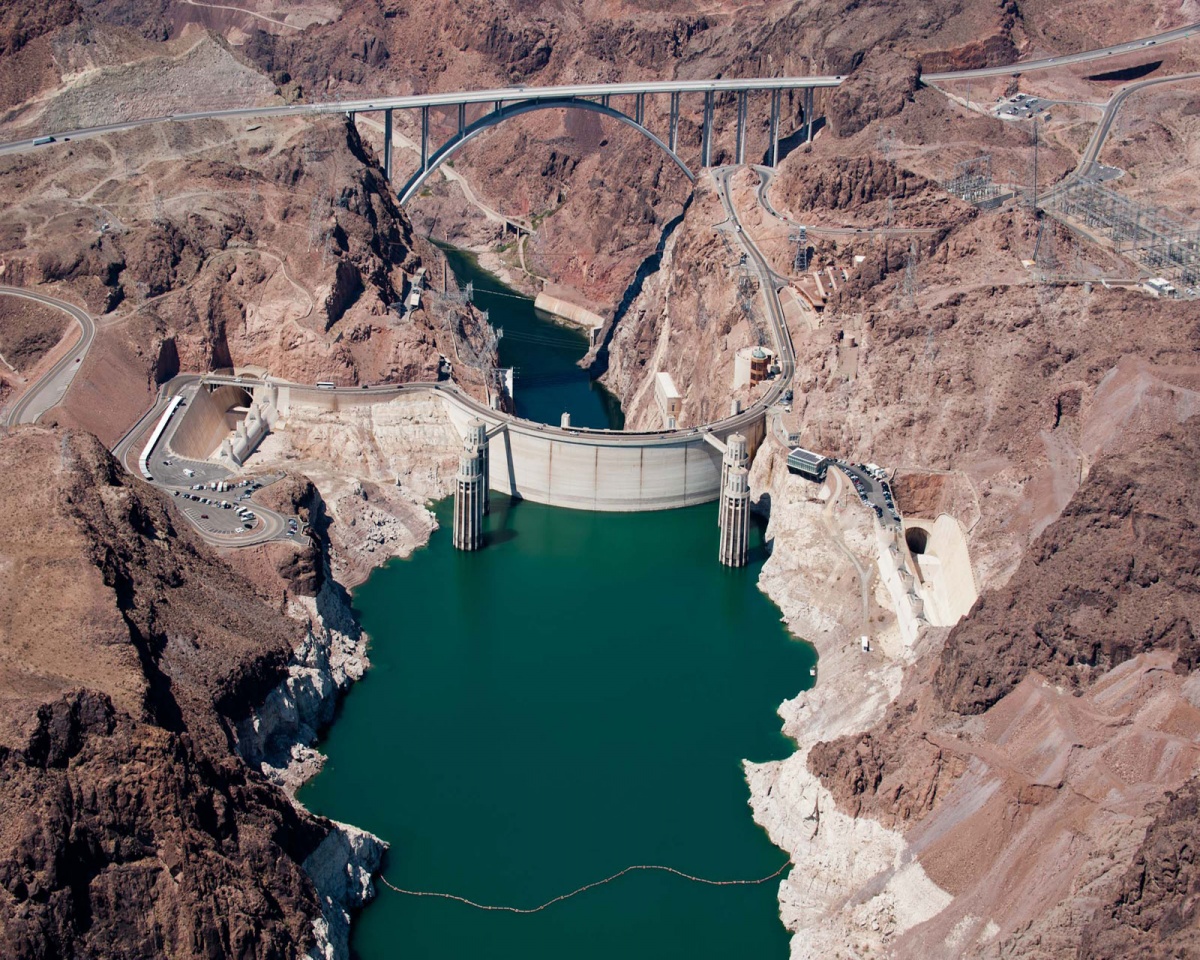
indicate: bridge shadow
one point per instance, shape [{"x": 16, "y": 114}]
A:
[{"x": 792, "y": 141}]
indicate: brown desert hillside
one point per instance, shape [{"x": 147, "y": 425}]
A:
[{"x": 129, "y": 651}]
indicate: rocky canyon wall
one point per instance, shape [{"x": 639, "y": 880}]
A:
[{"x": 132, "y": 654}]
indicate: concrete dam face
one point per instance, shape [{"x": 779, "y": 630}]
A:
[
  {"x": 599, "y": 471},
  {"x": 583, "y": 470}
]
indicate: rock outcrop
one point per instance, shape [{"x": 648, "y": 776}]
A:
[{"x": 130, "y": 655}]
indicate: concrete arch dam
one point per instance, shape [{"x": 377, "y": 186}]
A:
[
  {"x": 608, "y": 471},
  {"x": 598, "y": 470}
]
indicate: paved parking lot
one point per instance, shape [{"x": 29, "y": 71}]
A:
[
  {"x": 213, "y": 518},
  {"x": 219, "y": 525},
  {"x": 171, "y": 471},
  {"x": 1022, "y": 107},
  {"x": 874, "y": 492}
]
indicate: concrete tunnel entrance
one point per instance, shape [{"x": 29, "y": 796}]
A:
[{"x": 917, "y": 540}]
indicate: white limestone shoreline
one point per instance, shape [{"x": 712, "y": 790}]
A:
[
  {"x": 278, "y": 736},
  {"x": 835, "y": 857}
]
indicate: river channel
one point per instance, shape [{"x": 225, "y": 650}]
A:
[
  {"x": 542, "y": 352},
  {"x": 573, "y": 699}
]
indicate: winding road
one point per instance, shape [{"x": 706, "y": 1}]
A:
[
  {"x": 249, "y": 13},
  {"x": 127, "y": 449},
  {"x": 769, "y": 282},
  {"x": 49, "y": 389},
  {"x": 1091, "y": 154}
]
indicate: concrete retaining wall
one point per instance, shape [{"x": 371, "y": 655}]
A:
[
  {"x": 207, "y": 421},
  {"x": 568, "y": 311}
]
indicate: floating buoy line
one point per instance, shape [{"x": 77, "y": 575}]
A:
[{"x": 584, "y": 888}]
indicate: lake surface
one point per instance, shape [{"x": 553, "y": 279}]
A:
[{"x": 573, "y": 699}]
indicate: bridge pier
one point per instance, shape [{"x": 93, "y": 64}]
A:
[
  {"x": 706, "y": 131},
  {"x": 639, "y": 107},
  {"x": 673, "y": 136},
  {"x": 387, "y": 145},
  {"x": 735, "y": 518},
  {"x": 741, "y": 128},
  {"x": 808, "y": 114},
  {"x": 470, "y": 490},
  {"x": 462, "y": 118},
  {"x": 775, "y": 95},
  {"x": 424, "y": 138}
]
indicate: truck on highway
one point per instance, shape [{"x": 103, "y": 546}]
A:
[{"x": 42, "y": 141}]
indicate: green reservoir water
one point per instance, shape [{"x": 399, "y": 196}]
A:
[
  {"x": 575, "y": 698},
  {"x": 542, "y": 353},
  {"x": 572, "y": 699}
]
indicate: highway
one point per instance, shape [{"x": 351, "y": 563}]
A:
[
  {"x": 1091, "y": 154},
  {"x": 49, "y": 389},
  {"x": 582, "y": 90},
  {"x": 770, "y": 282},
  {"x": 1025, "y": 66},
  {"x": 498, "y": 95}
]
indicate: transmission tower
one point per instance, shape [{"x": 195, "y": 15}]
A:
[
  {"x": 316, "y": 217},
  {"x": 747, "y": 289},
  {"x": 1044, "y": 254},
  {"x": 1033, "y": 191},
  {"x": 800, "y": 238},
  {"x": 886, "y": 139}
]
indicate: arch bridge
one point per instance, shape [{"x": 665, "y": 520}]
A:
[{"x": 510, "y": 102}]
